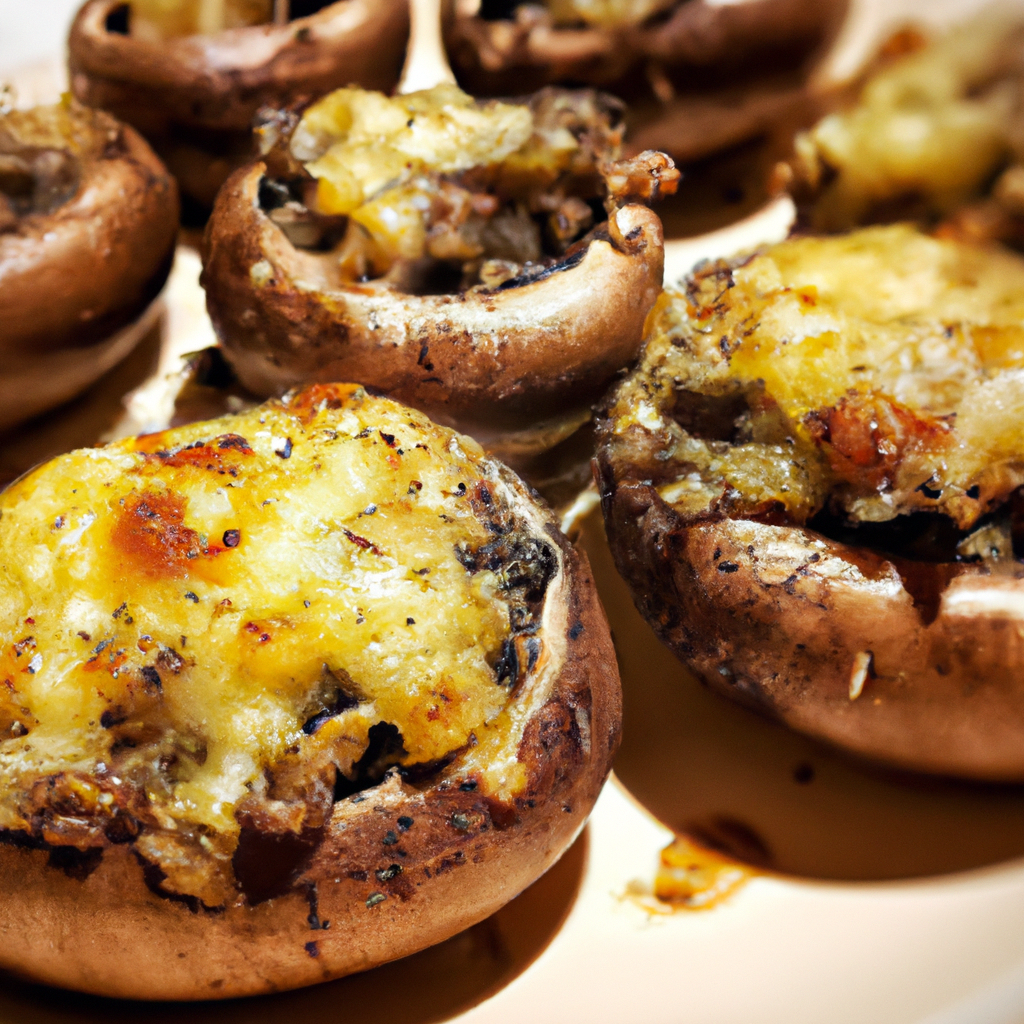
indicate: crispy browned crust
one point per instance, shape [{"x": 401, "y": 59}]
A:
[
  {"x": 505, "y": 56},
  {"x": 508, "y": 356},
  {"x": 461, "y": 856},
  {"x": 71, "y": 279},
  {"x": 195, "y": 97},
  {"x": 781, "y": 618}
]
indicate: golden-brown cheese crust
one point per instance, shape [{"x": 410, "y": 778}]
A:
[
  {"x": 911, "y": 659},
  {"x": 396, "y": 866},
  {"x": 180, "y": 93},
  {"x": 72, "y": 277},
  {"x": 511, "y": 355},
  {"x": 872, "y": 375}
]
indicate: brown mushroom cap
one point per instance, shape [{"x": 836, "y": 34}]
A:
[
  {"x": 524, "y": 51},
  {"x": 194, "y": 97},
  {"x": 875, "y": 606},
  {"x": 462, "y": 854},
  {"x": 74, "y": 277},
  {"x": 507, "y": 356},
  {"x": 921, "y": 667}
]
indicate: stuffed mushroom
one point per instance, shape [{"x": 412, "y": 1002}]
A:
[
  {"x": 88, "y": 223},
  {"x": 812, "y": 483},
  {"x": 191, "y": 74},
  {"x": 935, "y": 133},
  {"x": 448, "y": 252},
  {"x": 284, "y": 695},
  {"x": 700, "y": 77}
]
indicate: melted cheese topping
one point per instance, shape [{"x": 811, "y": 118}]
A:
[
  {"x": 931, "y": 126},
  {"x": 881, "y": 372},
  {"x": 356, "y": 142},
  {"x": 607, "y": 14},
  {"x": 192, "y": 617},
  {"x": 156, "y": 20},
  {"x": 437, "y": 173}
]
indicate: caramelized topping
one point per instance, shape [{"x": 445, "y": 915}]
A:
[
  {"x": 216, "y": 628},
  {"x": 872, "y": 375},
  {"x": 489, "y": 189}
]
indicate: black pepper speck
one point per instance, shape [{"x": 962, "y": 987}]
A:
[{"x": 151, "y": 676}]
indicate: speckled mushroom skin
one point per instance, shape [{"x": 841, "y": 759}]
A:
[
  {"x": 195, "y": 97},
  {"x": 461, "y": 856},
  {"x": 71, "y": 278},
  {"x": 506, "y": 357},
  {"x": 781, "y": 618},
  {"x": 498, "y": 57}
]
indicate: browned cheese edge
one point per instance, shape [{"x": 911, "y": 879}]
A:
[{"x": 399, "y": 867}]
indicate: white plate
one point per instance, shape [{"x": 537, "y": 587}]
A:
[{"x": 904, "y": 900}]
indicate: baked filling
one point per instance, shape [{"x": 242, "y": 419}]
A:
[
  {"x": 220, "y": 628},
  {"x": 868, "y": 376},
  {"x": 927, "y": 133},
  {"x": 606, "y": 14},
  {"x": 157, "y": 20},
  {"x": 436, "y": 192}
]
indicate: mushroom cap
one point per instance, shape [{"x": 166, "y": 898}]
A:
[
  {"x": 504, "y": 357},
  {"x": 194, "y": 97},
  {"x": 921, "y": 668},
  {"x": 74, "y": 278}
]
